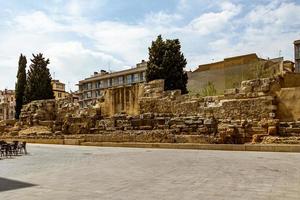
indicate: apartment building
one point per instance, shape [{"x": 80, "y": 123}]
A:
[
  {"x": 59, "y": 89},
  {"x": 92, "y": 88},
  {"x": 297, "y": 55},
  {"x": 7, "y": 104}
]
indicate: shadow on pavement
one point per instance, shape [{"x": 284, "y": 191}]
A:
[{"x": 7, "y": 184}]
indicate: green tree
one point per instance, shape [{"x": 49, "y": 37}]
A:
[
  {"x": 166, "y": 61},
  {"x": 20, "y": 85},
  {"x": 209, "y": 89},
  {"x": 38, "y": 80}
]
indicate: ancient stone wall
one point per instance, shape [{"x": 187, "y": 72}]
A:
[
  {"x": 121, "y": 100},
  {"x": 252, "y": 101},
  {"x": 43, "y": 110},
  {"x": 288, "y": 100},
  {"x": 244, "y": 114}
]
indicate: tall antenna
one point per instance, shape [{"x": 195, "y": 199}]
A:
[
  {"x": 69, "y": 86},
  {"x": 279, "y": 53},
  {"x": 109, "y": 66}
]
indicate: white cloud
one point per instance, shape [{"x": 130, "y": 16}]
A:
[
  {"x": 268, "y": 30},
  {"x": 77, "y": 46},
  {"x": 124, "y": 41},
  {"x": 277, "y": 15},
  {"x": 69, "y": 58},
  {"x": 215, "y": 21},
  {"x": 72, "y": 61},
  {"x": 78, "y": 8},
  {"x": 271, "y": 29},
  {"x": 162, "y": 18},
  {"x": 36, "y": 22}
]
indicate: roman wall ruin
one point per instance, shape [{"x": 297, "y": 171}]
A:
[{"x": 256, "y": 112}]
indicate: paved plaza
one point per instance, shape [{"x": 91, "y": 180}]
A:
[{"x": 77, "y": 172}]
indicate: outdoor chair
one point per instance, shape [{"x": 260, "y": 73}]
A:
[
  {"x": 6, "y": 149},
  {"x": 12, "y": 149},
  {"x": 2, "y": 150},
  {"x": 22, "y": 148},
  {"x": 15, "y": 148}
]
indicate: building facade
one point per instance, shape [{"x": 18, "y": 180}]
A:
[
  {"x": 297, "y": 55},
  {"x": 7, "y": 104},
  {"x": 59, "y": 89},
  {"x": 117, "y": 83},
  {"x": 213, "y": 78}
]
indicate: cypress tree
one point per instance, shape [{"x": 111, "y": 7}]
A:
[
  {"x": 20, "y": 85},
  {"x": 166, "y": 61},
  {"x": 38, "y": 80}
]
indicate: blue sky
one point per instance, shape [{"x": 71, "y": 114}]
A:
[{"x": 83, "y": 36}]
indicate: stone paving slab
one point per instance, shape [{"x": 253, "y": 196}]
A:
[{"x": 80, "y": 172}]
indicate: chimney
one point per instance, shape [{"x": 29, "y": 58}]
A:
[{"x": 102, "y": 72}]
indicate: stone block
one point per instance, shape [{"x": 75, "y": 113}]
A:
[
  {"x": 191, "y": 139},
  {"x": 128, "y": 128},
  {"x": 230, "y": 92},
  {"x": 272, "y": 130},
  {"x": 46, "y": 123},
  {"x": 147, "y": 116},
  {"x": 187, "y": 130},
  {"x": 146, "y": 127},
  {"x": 162, "y": 127},
  {"x": 181, "y": 126},
  {"x": 127, "y": 137},
  {"x": 110, "y": 128},
  {"x": 246, "y": 89},
  {"x": 143, "y": 137},
  {"x": 203, "y": 130}
]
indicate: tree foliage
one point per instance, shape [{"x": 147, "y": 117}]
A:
[
  {"x": 166, "y": 61},
  {"x": 38, "y": 80},
  {"x": 20, "y": 85},
  {"x": 209, "y": 89}
]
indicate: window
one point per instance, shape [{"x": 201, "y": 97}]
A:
[
  {"x": 97, "y": 85},
  {"x": 84, "y": 86},
  {"x": 115, "y": 81},
  {"x": 129, "y": 79},
  {"x": 109, "y": 82},
  {"x": 98, "y": 93},
  {"x": 90, "y": 86},
  {"x": 103, "y": 84},
  {"x": 59, "y": 95},
  {"x": 136, "y": 78},
  {"x": 89, "y": 94},
  {"x": 143, "y": 76},
  {"x": 121, "y": 81}
]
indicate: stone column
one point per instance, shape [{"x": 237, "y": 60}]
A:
[
  {"x": 124, "y": 93},
  {"x": 120, "y": 100},
  {"x": 112, "y": 110},
  {"x": 129, "y": 100}
]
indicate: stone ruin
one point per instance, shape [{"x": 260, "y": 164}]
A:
[{"x": 242, "y": 115}]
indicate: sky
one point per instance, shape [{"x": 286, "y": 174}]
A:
[{"x": 83, "y": 36}]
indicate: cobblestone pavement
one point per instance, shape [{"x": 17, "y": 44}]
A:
[{"x": 77, "y": 172}]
